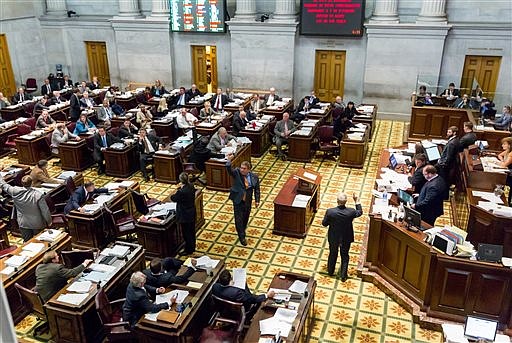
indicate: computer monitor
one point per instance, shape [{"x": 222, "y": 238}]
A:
[
  {"x": 432, "y": 153},
  {"x": 480, "y": 328},
  {"x": 392, "y": 161},
  {"x": 412, "y": 217},
  {"x": 405, "y": 197}
]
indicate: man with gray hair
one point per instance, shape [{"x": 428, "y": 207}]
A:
[
  {"x": 138, "y": 301},
  {"x": 220, "y": 140},
  {"x": 341, "y": 233}
]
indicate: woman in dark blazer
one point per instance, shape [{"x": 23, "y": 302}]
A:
[
  {"x": 350, "y": 111},
  {"x": 186, "y": 212}
]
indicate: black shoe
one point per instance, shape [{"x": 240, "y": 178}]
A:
[
  {"x": 344, "y": 278},
  {"x": 147, "y": 178},
  {"x": 243, "y": 241},
  {"x": 284, "y": 158},
  {"x": 101, "y": 172}
]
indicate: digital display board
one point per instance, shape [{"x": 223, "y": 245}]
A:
[
  {"x": 332, "y": 17},
  {"x": 197, "y": 15}
]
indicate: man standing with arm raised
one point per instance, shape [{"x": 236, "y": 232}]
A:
[{"x": 341, "y": 232}]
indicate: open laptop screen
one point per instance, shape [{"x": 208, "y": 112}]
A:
[
  {"x": 478, "y": 328},
  {"x": 432, "y": 153}
]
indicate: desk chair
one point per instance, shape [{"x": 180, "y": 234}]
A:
[
  {"x": 29, "y": 109},
  {"x": 70, "y": 186},
  {"x": 48, "y": 140},
  {"x": 31, "y": 122},
  {"x": 30, "y": 85},
  {"x": 33, "y": 301},
  {"x": 229, "y": 314},
  {"x": 122, "y": 222},
  {"x": 73, "y": 258},
  {"x": 59, "y": 219},
  {"x": 21, "y": 130},
  {"x": 5, "y": 248},
  {"x": 190, "y": 168},
  {"x": 327, "y": 142},
  {"x": 142, "y": 202},
  {"x": 271, "y": 127},
  {"x": 111, "y": 317}
]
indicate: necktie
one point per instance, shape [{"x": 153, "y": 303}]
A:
[
  {"x": 217, "y": 103},
  {"x": 286, "y": 127},
  {"x": 104, "y": 141},
  {"x": 22, "y": 97},
  {"x": 246, "y": 183},
  {"x": 146, "y": 148}
]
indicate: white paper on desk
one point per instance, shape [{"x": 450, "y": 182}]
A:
[
  {"x": 427, "y": 144},
  {"x": 503, "y": 211},
  {"x": 151, "y": 316},
  {"x": 358, "y": 129},
  {"x": 66, "y": 174},
  {"x": 298, "y": 287},
  {"x": 80, "y": 286},
  {"x": 16, "y": 261},
  {"x": 267, "y": 117},
  {"x": 400, "y": 159},
  {"x": 202, "y": 262},
  {"x": 285, "y": 315},
  {"x": 244, "y": 140},
  {"x": 165, "y": 206},
  {"x": 281, "y": 294},
  {"x": 166, "y": 297},
  {"x": 7, "y": 270},
  {"x": 310, "y": 176},
  {"x": 454, "y": 333},
  {"x": 28, "y": 253},
  {"x": 239, "y": 277},
  {"x": 46, "y": 236},
  {"x": 119, "y": 250},
  {"x": 228, "y": 150},
  {"x": 273, "y": 326},
  {"x": 103, "y": 268},
  {"x": 50, "y": 185},
  {"x": 91, "y": 207},
  {"x": 440, "y": 141},
  {"x": 355, "y": 136},
  {"x": 301, "y": 200},
  {"x": 489, "y": 196},
  {"x": 34, "y": 247},
  {"x": 95, "y": 276},
  {"x": 73, "y": 298},
  {"x": 104, "y": 198}
]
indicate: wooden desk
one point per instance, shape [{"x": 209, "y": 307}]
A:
[
  {"x": 353, "y": 152},
  {"x": 323, "y": 114},
  {"x": 81, "y": 323},
  {"x": 208, "y": 129},
  {"x": 278, "y": 113},
  {"x": 303, "y": 323},
  {"x": 75, "y": 155},
  {"x": 118, "y": 121},
  {"x": 299, "y": 147},
  {"x": 233, "y": 107},
  {"x": 30, "y": 151},
  {"x": 260, "y": 139},
  {"x": 26, "y": 274},
  {"x": 13, "y": 112},
  {"x": 4, "y": 135},
  {"x": 295, "y": 221},
  {"x": 165, "y": 238},
  {"x": 127, "y": 102},
  {"x": 367, "y": 118},
  {"x": 189, "y": 325},
  {"x": 479, "y": 179},
  {"x": 165, "y": 128},
  {"x": 60, "y": 112},
  {"x": 121, "y": 163},
  {"x": 217, "y": 177}
]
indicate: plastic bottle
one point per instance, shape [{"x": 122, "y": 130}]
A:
[{"x": 385, "y": 194}]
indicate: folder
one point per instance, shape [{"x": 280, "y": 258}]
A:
[{"x": 168, "y": 316}]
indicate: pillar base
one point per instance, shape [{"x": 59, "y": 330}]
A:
[
  {"x": 383, "y": 19},
  {"x": 244, "y": 17},
  {"x": 432, "y": 19},
  {"x": 62, "y": 13},
  {"x": 284, "y": 18}
]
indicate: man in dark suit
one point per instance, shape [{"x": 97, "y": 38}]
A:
[
  {"x": 223, "y": 289},
  {"x": 86, "y": 102},
  {"x": 52, "y": 276},
  {"x": 341, "y": 233},
  {"x": 102, "y": 140},
  {"x": 193, "y": 92},
  {"x": 304, "y": 106},
  {"x": 67, "y": 82},
  {"x": 21, "y": 96},
  {"x": 239, "y": 123},
  {"x": 184, "y": 198},
  {"x": 430, "y": 200},
  {"x": 95, "y": 84},
  {"x": 451, "y": 92},
  {"x": 219, "y": 100},
  {"x": 469, "y": 137},
  {"x": 182, "y": 98},
  {"x": 47, "y": 88},
  {"x": 74, "y": 105},
  {"x": 127, "y": 130},
  {"x": 147, "y": 145},
  {"x": 162, "y": 272},
  {"x": 417, "y": 179},
  {"x": 57, "y": 99},
  {"x": 313, "y": 100},
  {"x": 245, "y": 184},
  {"x": 271, "y": 97},
  {"x": 81, "y": 195},
  {"x": 138, "y": 300},
  {"x": 446, "y": 162}
]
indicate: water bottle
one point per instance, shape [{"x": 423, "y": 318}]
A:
[{"x": 385, "y": 194}]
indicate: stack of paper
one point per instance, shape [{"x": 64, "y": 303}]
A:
[
  {"x": 489, "y": 196},
  {"x": 166, "y": 297},
  {"x": 310, "y": 176},
  {"x": 95, "y": 276},
  {"x": 34, "y": 247},
  {"x": 90, "y": 208},
  {"x": 119, "y": 250},
  {"x": 203, "y": 262},
  {"x": 49, "y": 235},
  {"x": 244, "y": 140},
  {"x": 301, "y": 200},
  {"x": 239, "y": 277},
  {"x": 298, "y": 287},
  {"x": 279, "y": 324},
  {"x": 73, "y": 298},
  {"x": 80, "y": 286},
  {"x": 171, "y": 206},
  {"x": 16, "y": 261},
  {"x": 103, "y": 268},
  {"x": 66, "y": 174},
  {"x": 7, "y": 271},
  {"x": 281, "y": 294},
  {"x": 104, "y": 198}
]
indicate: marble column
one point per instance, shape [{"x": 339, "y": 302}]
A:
[
  {"x": 433, "y": 11},
  {"x": 285, "y": 10},
  {"x": 129, "y": 8},
  {"x": 245, "y": 9},
  {"x": 56, "y": 7},
  {"x": 160, "y": 8},
  {"x": 385, "y": 11}
]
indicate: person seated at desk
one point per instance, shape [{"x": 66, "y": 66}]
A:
[
  {"x": 219, "y": 100},
  {"x": 86, "y": 103},
  {"x": 239, "y": 123},
  {"x": 67, "y": 82},
  {"x": 282, "y": 131},
  {"x": 219, "y": 140},
  {"x": 52, "y": 276},
  {"x": 144, "y": 117},
  {"x": 351, "y": 111},
  {"x": 338, "y": 103},
  {"x": 304, "y": 106},
  {"x": 105, "y": 114},
  {"x": 503, "y": 122},
  {"x": 224, "y": 289},
  {"x": 47, "y": 89},
  {"x": 162, "y": 108},
  {"x": 451, "y": 92},
  {"x": 340, "y": 125},
  {"x": 84, "y": 125},
  {"x": 57, "y": 99},
  {"x": 147, "y": 146},
  {"x": 94, "y": 84},
  {"x": 39, "y": 174},
  {"x": 207, "y": 112},
  {"x": 163, "y": 272},
  {"x": 102, "y": 141},
  {"x": 158, "y": 89},
  {"x": 193, "y": 92},
  {"x": 464, "y": 102},
  {"x": 127, "y": 130},
  {"x": 61, "y": 135},
  {"x": 477, "y": 93},
  {"x": 81, "y": 195},
  {"x": 430, "y": 200},
  {"x": 110, "y": 94},
  {"x": 313, "y": 100},
  {"x": 446, "y": 162},
  {"x": 82, "y": 88},
  {"x": 21, "y": 96},
  {"x": 45, "y": 121},
  {"x": 469, "y": 137},
  {"x": 416, "y": 179},
  {"x": 3, "y": 101},
  {"x": 422, "y": 91},
  {"x": 271, "y": 97},
  {"x": 185, "y": 120},
  {"x": 256, "y": 105},
  {"x": 42, "y": 104},
  {"x": 505, "y": 161},
  {"x": 138, "y": 301},
  {"x": 117, "y": 109},
  {"x": 146, "y": 95},
  {"x": 181, "y": 99},
  {"x": 201, "y": 153}
]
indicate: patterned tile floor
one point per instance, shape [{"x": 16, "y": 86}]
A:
[{"x": 354, "y": 311}]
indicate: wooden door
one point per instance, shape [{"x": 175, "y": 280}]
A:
[
  {"x": 98, "y": 62},
  {"x": 199, "y": 69},
  {"x": 329, "y": 74},
  {"x": 7, "y": 82},
  {"x": 213, "y": 67},
  {"x": 482, "y": 69}
]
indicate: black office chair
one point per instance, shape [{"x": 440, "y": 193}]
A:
[
  {"x": 73, "y": 258},
  {"x": 142, "y": 202}
]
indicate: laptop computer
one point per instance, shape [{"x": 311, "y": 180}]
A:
[
  {"x": 490, "y": 252},
  {"x": 480, "y": 328}
]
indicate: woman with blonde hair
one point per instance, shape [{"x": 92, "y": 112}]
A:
[
  {"x": 505, "y": 158},
  {"x": 162, "y": 108}
]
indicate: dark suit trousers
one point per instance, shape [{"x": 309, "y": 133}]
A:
[
  {"x": 98, "y": 158},
  {"x": 27, "y": 234},
  {"x": 144, "y": 160},
  {"x": 333, "y": 255},
  {"x": 189, "y": 236},
  {"x": 242, "y": 212}
]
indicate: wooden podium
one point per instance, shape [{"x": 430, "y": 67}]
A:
[{"x": 293, "y": 219}]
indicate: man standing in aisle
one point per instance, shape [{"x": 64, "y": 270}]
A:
[
  {"x": 341, "y": 233},
  {"x": 245, "y": 183}
]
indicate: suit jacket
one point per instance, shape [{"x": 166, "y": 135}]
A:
[
  {"x": 138, "y": 303},
  {"x": 82, "y": 128},
  {"x": 39, "y": 107},
  {"x": 124, "y": 132},
  {"x": 339, "y": 219},
  {"x": 185, "y": 204},
  {"x": 40, "y": 176},
  {"x": 503, "y": 123},
  {"x": 238, "y": 295},
  {"x": 238, "y": 125},
  {"x": 78, "y": 198},
  {"x": 257, "y": 105},
  {"x": 32, "y": 212},
  {"x": 215, "y": 144},
  {"x": 153, "y": 140},
  {"x": 74, "y": 107},
  {"x": 161, "y": 91},
  {"x": 455, "y": 92},
  {"x": 279, "y": 128},
  {"x": 223, "y": 100},
  {"x": 103, "y": 113},
  {"x": 194, "y": 94},
  {"x": 144, "y": 119},
  {"x": 178, "y": 97},
  {"x": 276, "y": 98},
  {"x": 41, "y": 123},
  {"x": 83, "y": 103},
  {"x": 165, "y": 279},
  {"x": 417, "y": 179},
  {"x": 55, "y": 100},
  {"x": 4, "y": 103},
  {"x": 60, "y": 137},
  {"x": 45, "y": 91},
  {"x": 93, "y": 86},
  {"x": 204, "y": 115},
  {"x": 237, "y": 190},
  {"x": 467, "y": 140},
  {"x": 98, "y": 141},
  {"x": 52, "y": 277},
  {"x": 449, "y": 153},
  {"x": 67, "y": 84},
  {"x": 430, "y": 200},
  {"x": 17, "y": 97}
]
